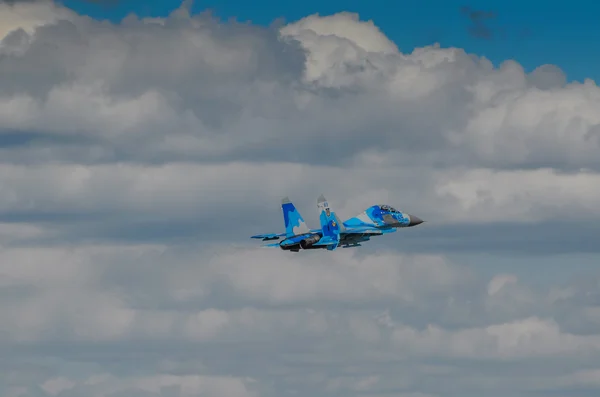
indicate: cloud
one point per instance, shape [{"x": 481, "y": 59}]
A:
[
  {"x": 29, "y": 15},
  {"x": 527, "y": 338},
  {"x": 197, "y": 321},
  {"x": 137, "y": 157},
  {"x": 133, "y": 201},
  {"x": 241, "y": 91},
  {"x": 235, "y": 278},
  {"x": 165, "y": 385}
]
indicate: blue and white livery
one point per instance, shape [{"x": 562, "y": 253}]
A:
[{"x": 333, "y": 233}]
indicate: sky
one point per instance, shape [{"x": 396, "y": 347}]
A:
[{"x": 139, "y": 154}]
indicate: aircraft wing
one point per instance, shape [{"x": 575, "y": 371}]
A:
[
  {"x": 348, "y": 230},
  {"x": 370, "y": 230},
  {"x": 272, "y": 245},
  {"x": 269, "y": 236}
]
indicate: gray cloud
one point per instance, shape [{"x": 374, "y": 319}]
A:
[
  {"x": 137, "y": 158},
  {"x": 237, "y": 91},
  {"x": 350, "y": 324}
]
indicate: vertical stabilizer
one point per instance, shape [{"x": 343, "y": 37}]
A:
[
  {"x": 294, "y": 223},
  {"x": 330, "y": 223}
]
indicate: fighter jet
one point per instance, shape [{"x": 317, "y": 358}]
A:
[{"x": 374, "y": 221}]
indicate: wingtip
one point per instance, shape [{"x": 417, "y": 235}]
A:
[{"x": 285, "y": 200}]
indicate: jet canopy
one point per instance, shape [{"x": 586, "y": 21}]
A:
[{"x": 388, "y": 208}]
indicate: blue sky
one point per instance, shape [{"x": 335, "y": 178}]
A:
[{"x": 535, "y": 32}]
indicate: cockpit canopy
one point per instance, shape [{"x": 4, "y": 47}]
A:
[{"x": 388, "y": 208}]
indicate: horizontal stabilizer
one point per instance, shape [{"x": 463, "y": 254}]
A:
[
  {"x": 270, "y": 236},
  {"x": 272, "y": 245}
]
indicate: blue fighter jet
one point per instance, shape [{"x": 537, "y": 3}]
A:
[{"x": 374, "y": 221}]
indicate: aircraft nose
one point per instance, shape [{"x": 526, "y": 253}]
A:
[{"x": 414, "y": 220}]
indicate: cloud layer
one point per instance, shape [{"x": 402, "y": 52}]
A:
[{"x": 136, "y": 159}]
